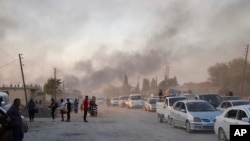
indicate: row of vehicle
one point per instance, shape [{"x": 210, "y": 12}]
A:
[
  {"x": 129, "y": 101},
  {"x": 196, "y": 114}
]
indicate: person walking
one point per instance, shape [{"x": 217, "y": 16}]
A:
[
  {"x": 31, "y": 107},
  {"x": 68, "y": 110},
  {"x": 85, "y": 108},
  {"x": 76, "y": 102},
  {"x": 16, "y": 120},
  {"x": 53, "y": 107},
  {"x": 160, "y": 95},
  {"x": 62, "y": 107}
]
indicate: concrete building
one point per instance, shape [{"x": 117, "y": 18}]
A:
[{"x": 17, "y": 91}]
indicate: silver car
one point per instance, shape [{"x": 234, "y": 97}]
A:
[
  {"x": 193, "y": 115},
  {"x": 230, "y": 103},
  {"x": 150, "y": 104}
]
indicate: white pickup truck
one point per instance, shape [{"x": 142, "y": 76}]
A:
[{"x": 163, "y": 107}]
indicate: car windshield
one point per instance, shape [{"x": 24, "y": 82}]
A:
[
  {"x": 173, "y": 100},
  {"x": 199, "y": 106},
  {"x": 152, "y": 101},
  {"x": 124, "y": 98},
  {"x": 230, "y": 98},
  {"x": 136, "y": 98},
  {"x": 210, "y": 97},
  {"x": 241, "y": 103}
]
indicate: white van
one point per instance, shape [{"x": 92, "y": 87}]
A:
[
  {"x": 4, "y": 101},
  {"x": 135, "y": 101}
]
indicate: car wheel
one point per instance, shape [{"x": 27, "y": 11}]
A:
[
  {"x": 168, "y": 120},
  {"x": 188, "y": 127},
  {"x": 173, "y": 123},
  {"x": 160, "y": 119},
  {"x": 222, "y": 135}
]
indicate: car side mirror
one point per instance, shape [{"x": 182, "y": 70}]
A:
[
  {"x": 245, "y": 119},
  {"x": 183, "y": 110}
]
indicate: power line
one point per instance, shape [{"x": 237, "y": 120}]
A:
[
  {"x": 8, "y": 63},
  {"x": 6, "y": 53}
]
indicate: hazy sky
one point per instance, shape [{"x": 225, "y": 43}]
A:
[{"x": 96, "y": 42}]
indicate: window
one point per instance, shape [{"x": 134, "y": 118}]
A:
[
  {"x": 241, "y": 114},
  {"x": 178, "y": 106},
  {"x": 231, "y": 114}
]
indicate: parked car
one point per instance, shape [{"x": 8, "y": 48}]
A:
[
  {"x": 135, "y": 101},
  {"x": 150, "y": 104},
  {"x": 213, "y": 99},
  {"x": 5, "y": 129},
  {"x": 230, "y": 103},
  {"x": 193, "y": 115},
  {"x": 122, "y": 100},
  {"x": 4, "y": 101},
  {"x": 164, "y": 107},
  {"x": 224, "y": 98},
  {"x": 114, "y": 101},
  {"x": 237, "y": 115}
]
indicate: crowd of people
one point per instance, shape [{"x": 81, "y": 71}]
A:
[{"x": 66, "y": 107}]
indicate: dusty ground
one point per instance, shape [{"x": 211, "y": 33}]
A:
[{"x": 112, "y": 124}]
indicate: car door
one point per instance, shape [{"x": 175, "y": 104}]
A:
[
  {"x": 176, "y": 113},
  {"x": 182, "y": 114},
  {"x": 229, "y": 118}
]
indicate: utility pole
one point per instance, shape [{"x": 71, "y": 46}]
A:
[
  {"x": 24, "y": 85},
  {"x": 55, "y": 73},
  {"x": 244, "y": 72}
]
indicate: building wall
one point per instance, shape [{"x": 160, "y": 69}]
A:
[{"x": 15, "y": 92}]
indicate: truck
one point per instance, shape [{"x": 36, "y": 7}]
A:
[{"x": 163, "y": 107}]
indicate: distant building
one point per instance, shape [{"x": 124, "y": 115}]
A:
[{"x": 32, "y": 91}]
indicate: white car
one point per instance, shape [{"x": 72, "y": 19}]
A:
[
  {"x": 4, "y": 101},
  {"x": 135, "y": 101},
  {"x": 237, "y": 115},
  {"x": 150, "y": 104},
  {"x": 122, "y": 100},
  {"x": 194, "y": 115},
  {"x": 230, "y": 103},
  {"x": 114, "y": 101}
]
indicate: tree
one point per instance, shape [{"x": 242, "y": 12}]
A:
[
  {"x": 51, "y": 86},
  {"x": 228, "y": 76}
]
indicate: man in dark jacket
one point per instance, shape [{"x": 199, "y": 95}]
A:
[
  {"x": 16, "y": 120},
  {"x": 69, "y": 110}
]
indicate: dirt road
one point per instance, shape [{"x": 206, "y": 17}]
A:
[{"x": 112, "y": 124}]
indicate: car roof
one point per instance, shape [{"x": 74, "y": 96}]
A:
[
  {"x": 153, "y": 98},
  {"x": 192, "y": 100},
  {"x": 3, "y": 94},
  {"x": 135, "y": 95},
  {"x": 124, "y": 96},
  {"x": 245, "y": 107},
  {"x": 180, "y": 96},
  {"x": 236, "y": 100},
  {"x": 206, "y": 94}
]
